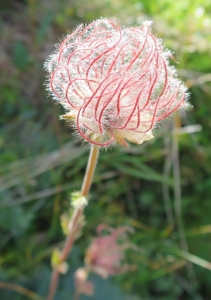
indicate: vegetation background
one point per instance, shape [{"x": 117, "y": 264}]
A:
[{"x": 162, "y": 188}]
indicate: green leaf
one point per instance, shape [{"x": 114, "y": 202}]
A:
[
  {"x": 20, "y": 55},
  {"x": 144, "y": 172}
]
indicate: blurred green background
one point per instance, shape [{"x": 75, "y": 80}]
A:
[{"x": 162, "y": 188}]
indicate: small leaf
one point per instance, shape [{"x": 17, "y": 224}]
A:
[
  {"x": 65, "y": 219},
  {"x": 56, "y": 258},
  {"x": 77, "y": 200}
]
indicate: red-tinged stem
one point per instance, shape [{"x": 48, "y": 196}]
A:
[{"x": 74, "y": 222}]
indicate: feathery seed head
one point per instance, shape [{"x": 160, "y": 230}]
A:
[{"x": 114, "y": 83}]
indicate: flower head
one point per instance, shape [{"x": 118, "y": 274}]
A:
[
  {"x": 114, "y": 83},
  {"x": 105, "y": 254}
]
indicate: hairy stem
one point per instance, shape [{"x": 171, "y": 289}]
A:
[{"x": 74, "y": 222}]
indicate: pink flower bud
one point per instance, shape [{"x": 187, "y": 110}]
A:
[
  {"x": 105, "y": 254},
  {"x": 83, "y": 286},
  {"x": 114, "y": 83}
]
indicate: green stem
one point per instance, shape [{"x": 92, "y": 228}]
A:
[
  {"x": 77, "y": 213},
  {"x": 19, "y": 289},
  {"x": 90, "y": 171}
]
